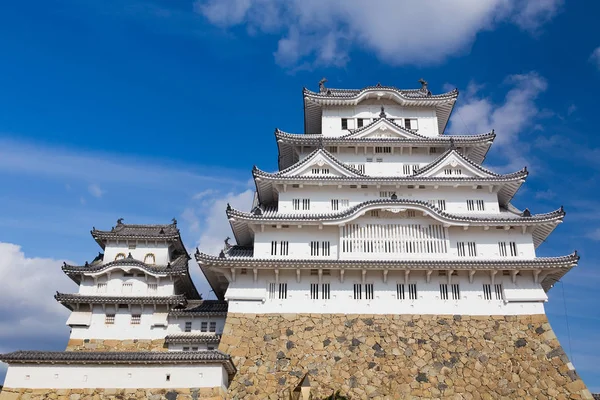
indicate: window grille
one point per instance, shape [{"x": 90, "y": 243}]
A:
[
  {"x": 441, "y": 204},
  {"x": 400, "y": 291},
  {"x": 432, "y": 150},
  {"x": 455, "y": 291},
  {"x": 470, "y": 205},
  {"x": 379, "y": 149},
  {"x": 320, "y": 248},
  {"x": 448, "y": 171},
  {"x": 314, "y": 248},
  {"x": 282, "y": 291},
  {"x": 458, "y": 171},
  {"x": 344, "y": 123},
  {"x": 244, "y": 271},
  {"x": 325, "y": 291},
  {"x": 480, "y": 205},
  {"x": 333, "y": 149},
  {"x": 136, "y": 319},
  {"x": 370, "y": 159},
  {"x": 188, "y": 326},
  {"x": 487, "y": 291},
  {"x": 336, "y": 204},
  {"x": 296, "y": 204},
  {"x": 357, "y": 291},
  {"x": 272, "y": 292},
  {"x": 386, "y": 194},
  {"x": 369, "y": 292},
  {"x": 194, "y": 348},
  {"x": 362, "y": 122},
  {"x": 320, "y": 171},
  {"x": 203, "y": 326},
  {"x": 443, "y": 291},
  {"x": 186, "y": 348},
  {"x": 314, "y": 272},
  {"x": 284, "y": 248},
  {"x": 109, "y": 319},
  {"x": 498, "y": 291},
  {"x": 505, "y": 250},
  {"x": 393, "y": 238},
  {"x": 314, "y": 291},
  {"x": 326, "y": 272},
  {"x": 273, "y": 248},
  {"x": 101, "y": 288},
  {"x": 412, "y": 291},
  {"x": 513, "y": 249},
  {"x": 411, "y": 213},
  {"x": 152, "y": 288},
  {"x": 469, "y": 249},
  {"x": 212, "y": 326},
  {"x": 306, "y": 204},
  {"x": 374, "y": 213}
]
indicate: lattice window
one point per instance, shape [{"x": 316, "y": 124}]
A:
[
  {"x": 282, "y": 291},
  {"x": 362, "y": 122},
  {"x": 332, "y": 149},
  {"x": 325, "y": 291},
  {"x": 470, "y": 205},
  {"x": 385, "y": 150},
  {"x": 480, "y": 205},
  {"x": 498, "y": 291},
  {"x": 284, "y": 248},
  {"x": 466, "y": 249},
  {"x": 393, "y": 238},
  {"x": 306, "y": 204},
  {"x": 136, "y": 319},
  {"x": 357, "y": 291},
  {"x": 487, "y": 291},
  {"x": 337, "y": 204},
  {"x": 369, "y": 291},
  {"x": 374, "y": 213},
  {"x": 320, "y": 171},
  {"x": 272, "y": 291},
  {"x": 152, "y": 288},
  {"x": 400, "y": 293},
  {"x": 188, "y": 326},
  {"x": 386, "y": 194},
  {"x": 204, "y": 326},
  {"x": 320, "y": 248},
  {"x": 314, "y": 291},
  {"x": 273, "y": 248},
  {"x": 296, "y": 204},
  {"x": 412, "y": 291},
  {"x": 109, "y": 319},
  {"x": 505, "y": 250},
  {"x": 101, "y": 287},
  {"x": 447, "y": 171},
  {"x": 513, "y": 249},
  {"x": 443, "y": 291},
  {"x": 212, "y": 326},
  {"x": 455, "y": 291}
]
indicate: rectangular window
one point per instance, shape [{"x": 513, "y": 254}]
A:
[
  {"x": 369, "y": 293},
  {"x": 460, "y": 246},
  {"x": 109, "y": 319},
  {"x": 273, "y": 248},
  {"x": 344, "y": 123},
  {"x": 333, "y": 149},
  {"x": 357, "y": 291},
  {"x": 504, "y": 250},
  {"x": 188, "y": 326},
  {"x": 374, "y": 213},
  {"x": 400, "y": 291},
  {"x": 195, "y": 348},
  {"x": 480, "y": 205},
  {"x": 203, "y": 326},
  {"x": 284, "y": 248},
  {"x": 498, "y": 291},
  {"x": 379, "y": 160},
  {"x": 443, "y": 291},
  {"x": 325, "y": 291},
  {"x": 470, "y": 205},
  {"x": 487, "y": 291},
  {"x": 152, "y": 288},
  {"x": 325, "y": 247},
  {"x": 455, "y": 291},
  {"x": 272, "y": 292},
  {"x": 411, "y": 213},
  {"x": 412, "y": 291},
  {"x": 472, "y": 249},
  {"x": 466, "y": 250},
  {"x": 101, "y": 288},
  {"x": 186, "y": 348},
  {"x": 411, "y": 123},
  {"x": 296, "y": 204},
  {"x": 314, "y": 248},
  {"x": 513, "y": 249},
  {"x": 335, "y": 204},
  {"x": 441, "y": 204},
  {"x": 306, "y": 204},
  {"x": 360, "y": 122},
  {"x": 320, "y": 248},
  {"x": 383, "y": 149},
  {"x": 136, "y": 319},
  {"x": 212, "y": 326},
  {"x": 314, "y": 291},
  {"x": 282, "y": 291},
  {"x": 127, "y": 287},
  {"x": 433, "y": 150}
]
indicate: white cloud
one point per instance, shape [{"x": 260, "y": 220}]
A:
[
  {"x": 594, "y": 235},
  {"x": 572, "y": 108},
  {"x": 321, "y": 32},
  {"x": 510, "y": 119},
  {"x": 95, "y": 190},
  {"x": 595, "y": 57},
  {"x": 204, "y": 193}
]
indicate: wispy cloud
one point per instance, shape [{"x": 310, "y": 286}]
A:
[
  {"x": 322, "y": 33},
  {"x": 95, "y": 190},
  {"x": 595, "y": 57}
]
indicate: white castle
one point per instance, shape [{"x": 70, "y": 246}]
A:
[{"x": 374, "y": 210}]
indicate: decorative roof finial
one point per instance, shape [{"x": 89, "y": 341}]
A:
[
  {"x": 394, "y": 196},
  {"x": 120, "y": 221},
  {"x": 452, "y": 144},
  {"x": 320, "y": 143},
  {"x": 174, "y": 221},
  {"x": 322, "y": 87},
  {"x": 424, "y": 88},
  {"x": 382, "y": 114},
  {"x": 222, "y": 254},
  {"x": 526, "y": 213},
  {"x": 129, "y": 255},
  {"x": 378, "y": 84},
  {"x": 197, "y": 251},
  {"x": 227, "y": 245},
  {"x": 228, "y": 207}
]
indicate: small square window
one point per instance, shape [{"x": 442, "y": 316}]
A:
[
  {"x": 195, "y": 348},
  {"x": 186, "y": 348},
  {"x": 188, "y": 326},
  {"x": 168, "y": 377},
  {"x": 212, "y": 326},
  {"x": 136, "y": 319},
  {"x": 109, "y": 319},
  {"x": 204, "y": 326}
]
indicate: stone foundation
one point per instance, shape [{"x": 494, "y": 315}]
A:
[
  {"x": 116, "y": 345},
  {"x": 399, "y": 357},
  {"x": 105, "y": 394}
]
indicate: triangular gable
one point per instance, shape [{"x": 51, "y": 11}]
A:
[
  {"x": 382, "y": 128},
  {"x": 453, "y": 164},
  {"x": 319, "y": 163}
]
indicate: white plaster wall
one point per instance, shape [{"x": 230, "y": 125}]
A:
[
  {"x": 160, "y": 251},
  {"x": 385, "y": 301},
  {"x": 115, "y": 376},
  {"x": 320, "y": 197},
  {"x": 122, "y": 329},
  {"x": 115, "y": 280},
  {"x": 332, "y": 115},
  {"x": 299, "y": 241}
]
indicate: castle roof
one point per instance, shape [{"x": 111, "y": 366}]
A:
[
  {"x": 201, "y": 308},
  {"x": 119, "y": 357},
  {"x": 544, "y": 224},
  {"x": 70, "y": 299},
  {"x": 556, "y": 267},
  {"x": 136, "y": 232},
  {"x": 178, "y": 268},
  {"x": 314, "y": 101},
  {"x": 191, "y": 337}
]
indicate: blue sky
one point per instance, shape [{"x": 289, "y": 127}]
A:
[{"x": 153, "y": 110}]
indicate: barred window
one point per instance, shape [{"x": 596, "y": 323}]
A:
[
  {"x": 212, "y": 326},
  {"x": 357, "y": 291},
  {"x": 127, "y": 287},
  {"x": 314, "y": 291},
  {"x": 505, "y": 250},
  {"x": 369, "y": 292},
  {"x": 379, "y": 149},
  {"x": 400, "y": 291},
  {"x": 325, "y": 291},
  {"x": 284, "y": 248},
  {"x": 109, "y": 319},
  {"x": 487, "y": 291},
  {"x": 320, "y": 248},
  {"x": 152, "y": 288},
  {"x": 203, "y": 326},
  {"x": 136, "y": 319},
  {"x": 101, "y": 288},
  {"x": 455, "y": 291},
  {"x": 443, "y": 291},
  {"x": 272, "y": 291},
  {"x": 188, "y": 326},
  {"x": 282, "y": 291}
]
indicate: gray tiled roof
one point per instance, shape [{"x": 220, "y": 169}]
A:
[
  {"x": 122, "y": 231},
  {"x": 188, "y": 337},
  {"x": 406, "y": 93},
  {"x": 75, "y": 298},
  {"x": 178, "y": 266},
  {"x": 204, "y": 307},
  {"x": 117, "y": 357},
  {"x": 327, "y": 155}
]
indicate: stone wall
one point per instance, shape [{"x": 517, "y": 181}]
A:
[
  {"x": 105, "y": 394},
  {"x": 116, "y": 345},
  {"x": 398, "y": 357}
]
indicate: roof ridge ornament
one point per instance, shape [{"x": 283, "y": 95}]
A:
[
  {"x": 452, "y": 144},
  {"x": 526, "y": 213},
  {"x": 378, "y": 84},
  {"x": 120, "y": 221},
  {"x": 322, "y": 87},
  {"x": 382, "y": 114},
  {"x": 174, "y": 221}
]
